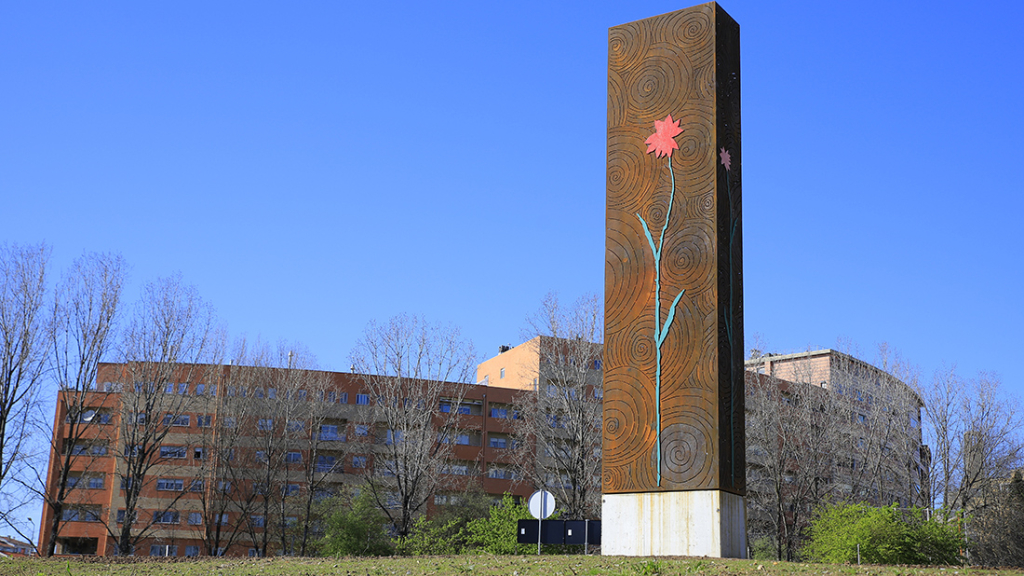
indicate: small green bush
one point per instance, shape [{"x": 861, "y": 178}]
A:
[
  {"x": 438, "y": 536},
  {"x": 497, "y": 532},
  {"x": 355, "y": 527},
  {"x": 886, "y": 536}
]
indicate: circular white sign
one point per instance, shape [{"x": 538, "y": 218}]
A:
[{"x": 542, "y": 504}]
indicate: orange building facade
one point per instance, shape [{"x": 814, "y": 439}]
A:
[{"x": 192, "y": 499}]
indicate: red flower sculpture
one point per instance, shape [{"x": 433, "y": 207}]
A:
[
  {"x": 726, "y": 159},
  {"x": 662, "y": 142}
]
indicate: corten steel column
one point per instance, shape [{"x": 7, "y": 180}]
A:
[{"x": 674, "y": 466}]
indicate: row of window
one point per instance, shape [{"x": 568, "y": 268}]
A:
[{"x": 267, "y": 424}]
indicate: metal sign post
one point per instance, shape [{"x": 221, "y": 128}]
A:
[{"x": 541, "y": 505}]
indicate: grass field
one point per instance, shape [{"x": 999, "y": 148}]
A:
[{"x": 458, "y": 565}]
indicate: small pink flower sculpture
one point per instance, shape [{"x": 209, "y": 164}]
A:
[
  {"x": 726, "y": 159},
  {"x": 662, "y": 142}
]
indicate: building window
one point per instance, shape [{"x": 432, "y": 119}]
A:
[
  {"x": 230, "y": 422},
  {"x": 197, "y": 453},
  {"x": 191, "y": 551},
  {"x": 195, "y": 518},
  {"x": 257, "y": 521},
  {"x": 170, "y": 484},
  {"x": 362, "y": 429},
  {"x": 197, "y": 485},
  {"x": 221, "y": 519},
  {"x": 501, "y": 374},
  {"x": 501, "y": 473},
  {"x": 92, "y": 416},
  {"x": 497, "y": 442},
  {"x": 393, "y": 437},
  {"x": 95, "y": 482},
  {"x": 325, "y": 464},
  {"x": 455, "y": 469},
  {"x": 121, "y": 515},
  {"x": 328, "y": 432},
  {"x": 200, "y": 389},
  {"x": 499, "y": 412},
  {"x": 290, "y": 489},
  {"x": 81, "y": 514},
  {"x": 204, "y": 421},
  {"x": 296, "y": 425},
  {"x": 293, "y": 457},
  {"x": 224, "y": 486},
  {"x": 359, "y": 461},
  {"x": 343, "y": 398},
  {"x": 261, "y": 455},
  {"x": 363, "y": 399},
  {"x": 162, "y": 550},
  {"x": 166, "y": 517},
  {"x": 254, "y": 553},
  {"x": 179, "y": 420},
  {"x": 172, "y": 451}
]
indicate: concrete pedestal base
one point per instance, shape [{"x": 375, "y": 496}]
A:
[{"x": 691, "y": 523}]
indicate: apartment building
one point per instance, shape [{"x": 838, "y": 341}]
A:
[
  {"x": 560, "y": 380},
  {"x": 823, "y": 426},
  {"x": 878, "y": 414},
  {"x": 227, "y": 460}
]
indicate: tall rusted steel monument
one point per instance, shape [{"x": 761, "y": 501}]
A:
[{"x": 674, "y": 466}]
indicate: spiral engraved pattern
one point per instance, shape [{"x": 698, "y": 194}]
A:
[{"x": 660, "y": 66}]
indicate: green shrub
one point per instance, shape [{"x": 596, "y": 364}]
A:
[
  {"x": 886, "y": 536},
  {"x": 355, "y": 527},
  {"x": 497, "y": 532},
  {"x": 437, "y": 536},
  {"x": 445, "y": 532}
]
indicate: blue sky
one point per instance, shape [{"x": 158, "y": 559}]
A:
[{"x": 311, "y": 166}]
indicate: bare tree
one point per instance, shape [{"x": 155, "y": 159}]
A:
[
  {"x": 83, "y": 314},
  {"x": 165, "y": 347},
  {"x": 218, "y": 482},
  {"x": 23, "y": 350},
  {"x": 314, "y": 401},
  {"x": 414, "y": 373},
  {"x": 996, "y": 538},
  {"x": 974, "y": 431},
  {"x": 793, "y": 433},
  {"x": 561, "y": 418}
]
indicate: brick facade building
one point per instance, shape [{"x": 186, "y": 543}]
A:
[{"x": 223, "y": 471}]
